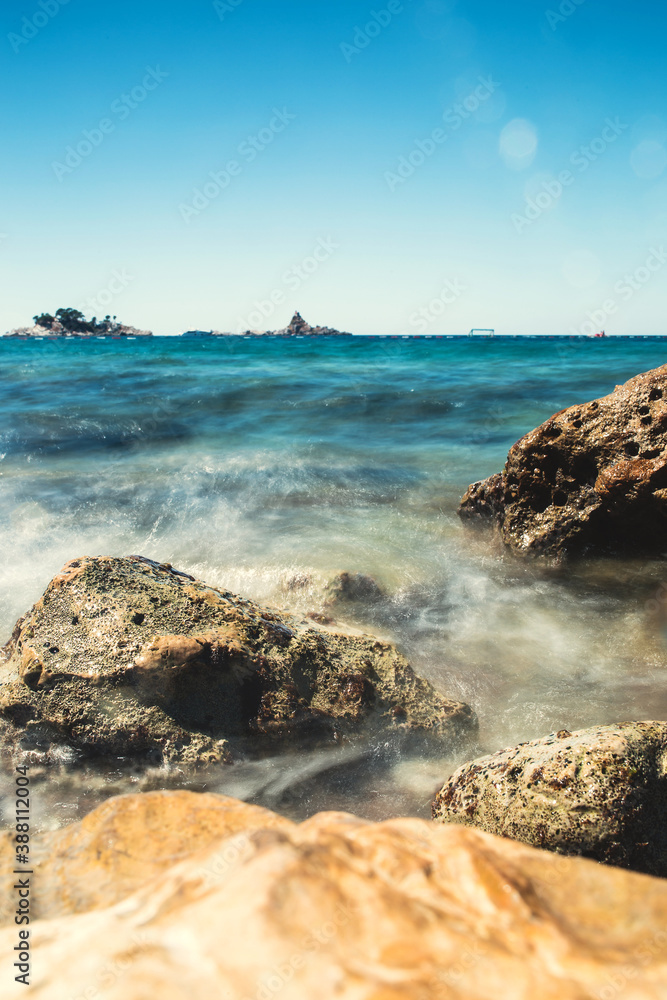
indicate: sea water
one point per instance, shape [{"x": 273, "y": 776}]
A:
[{"x": 267, "y": 466}]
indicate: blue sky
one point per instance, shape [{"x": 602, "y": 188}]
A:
[{"x": 416, "y": 166}]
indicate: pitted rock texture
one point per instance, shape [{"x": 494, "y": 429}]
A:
[
  {"x": 590, "y": 480},
  {"x": 334, "y": 908},
  {"x": 601, "y": 793},
  {"x": 129, "y": 657}
]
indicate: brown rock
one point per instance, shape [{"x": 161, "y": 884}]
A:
[
  {"x": 601, "y": 792},
  {"x": 591, "y": 479},
  {"x": 337, "y": 908},
  {"x": 127, "y": 657}
]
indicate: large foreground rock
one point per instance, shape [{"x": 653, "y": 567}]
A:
[
  {"x": 591, "y": 479},
  {"x": 333, "y": 908},
  {"x": 601, "y": 792},
  {"x": 127, "y": 657}
]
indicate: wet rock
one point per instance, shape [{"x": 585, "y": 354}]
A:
[
  {"x": 352, "y": 588},
  {"x": 601, "y": 793},
  {"x": 332, "y": 908},
  {"x": 591, "y": 479},
  {"x": 126, "y": 657}
]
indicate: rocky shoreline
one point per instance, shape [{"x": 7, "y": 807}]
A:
[
  {"x": 517, "y": 881},
  {"x": 135, "y": 660}
]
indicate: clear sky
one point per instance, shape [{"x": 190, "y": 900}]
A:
[{"x": 388, "y": 167}]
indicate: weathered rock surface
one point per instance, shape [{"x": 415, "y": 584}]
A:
[
  {"x": 601, "y": 793},
  {"x": 128, "y": 657},
  {"x": 591, "y": 479},
  {"x": 332, "y": 908}
]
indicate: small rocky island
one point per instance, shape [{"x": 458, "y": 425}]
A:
[
  {"x": 72, "y": 323},
  {"x": 298, "y": 327}
]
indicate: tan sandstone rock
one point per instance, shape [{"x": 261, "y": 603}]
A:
[
  {"x": 127, "y": 841},
  {"x": 336, "y": 908}
]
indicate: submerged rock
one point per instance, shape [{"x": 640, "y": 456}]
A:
[
  {"x": 352, "y": 588},
  {"x": 132, "y": 658},
  {"x": 591, "y": 479},
  {"x": 253, "y": 906},
  {"x": 601, "y": 793}
]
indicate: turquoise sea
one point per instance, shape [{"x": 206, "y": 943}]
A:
[{"x": 266, "y": 466}]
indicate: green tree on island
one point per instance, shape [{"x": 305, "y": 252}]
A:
[
  {"x": 46, "y": 320},
  {"x": 74, "y": 321}
]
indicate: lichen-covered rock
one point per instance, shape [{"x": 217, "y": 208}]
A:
[
  {"x": 128, "y": 657},
  {"x": 334, "y": 908},
  {"x": 591, "y": 479},
  {"x": 600, "y": 792}
]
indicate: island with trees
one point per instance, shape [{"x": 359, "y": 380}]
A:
[{"x": 71, "y": 322}]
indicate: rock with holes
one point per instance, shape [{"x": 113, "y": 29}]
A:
[
  {"x": 126, "y": 657},
  {"x": 592, "y": 479},
  {"x": 600, "y": 792},
  {"x": 251, "y": 907}
]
